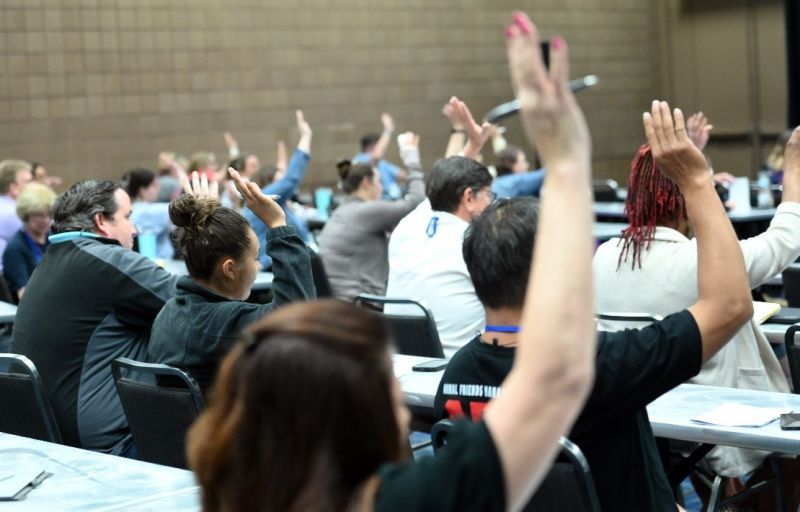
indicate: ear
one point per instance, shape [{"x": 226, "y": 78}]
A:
[
  {"x": 228, "y": 268},
  {"x": 100, "y": 223},
  {"x": 467, "y": 198},
  {"x": 366, "y": 182}
]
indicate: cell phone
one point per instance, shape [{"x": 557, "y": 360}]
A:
[
  {"x": 790, "y": 421},
  {"x": 434, "y": 365}
]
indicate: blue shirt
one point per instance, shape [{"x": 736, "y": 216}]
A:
[
  {"x": 285, "y": 188},
  {"x": 519, "y": 184},
  {"x": 391, "y": 190}
]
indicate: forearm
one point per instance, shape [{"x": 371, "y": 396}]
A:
[
  {"x": 791, "y": 183},
  {"x": 293, "y": 177},
  {"x": 554, "y": 362},
  {"x": 304, "y": 144},
  {"x": 455, "y": 144},
  {"x": 724, "y": 301},
  {"x": 381, "y": 146},
  {"x": 291, "y": 267}
]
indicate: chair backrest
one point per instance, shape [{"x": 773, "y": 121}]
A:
[
  {"x": 159, "y": 415},
  {"x": 414, "y": 334},
  {"x": 24, "y": 408},
  {"x": 613, "y": 322},
  {"x": 793, "y": 356},
  {"x": 791, "y": 285},
  {"x": 320, "y": 276},
  {"x": 605, "y": 191},
  {"x": 568, "y": 485}
]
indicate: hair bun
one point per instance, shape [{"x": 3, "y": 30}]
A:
[
  {"x": 192, "y": 213},
  {"x": 343, "y": 166}
]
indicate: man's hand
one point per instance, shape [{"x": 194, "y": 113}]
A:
[
  {"x": 388, "y": 122},
  {"x": 305, "y": 132},
  {"x": 791, "y": 155},
  {"x": 550, "y": 114},
  {"x": 408, "y": 143},
  {"x": 263, "y": 206},
  {"x": 230, "y": 142},
  {"x": 449, "y": 112},
  {"x": 673, "y": 151},
  {"x": 477, "y": 134},
  {"x": 699, "y": 129}
]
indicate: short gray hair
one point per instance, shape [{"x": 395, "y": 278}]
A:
[{"x": 75, "y": 209}]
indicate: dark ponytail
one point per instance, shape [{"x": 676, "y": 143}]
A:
[{"x": 351, "y": 175}]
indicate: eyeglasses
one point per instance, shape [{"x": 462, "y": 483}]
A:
[{"x": 492, "y": 195}]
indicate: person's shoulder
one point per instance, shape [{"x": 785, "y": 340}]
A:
[
  {"x": 17, "y": 242},
  {"x": 677, "y": 327}
]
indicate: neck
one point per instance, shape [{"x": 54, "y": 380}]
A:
[
  {"x": 362, "y": 194},
  {"x": 37, "y": 237},
  {"x": 216, "y": 287},
  {"x": 462, "y": 214},
  {"x": 505, "y": 317}
]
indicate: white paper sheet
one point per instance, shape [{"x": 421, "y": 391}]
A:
[{"x": 738, "y": 415}]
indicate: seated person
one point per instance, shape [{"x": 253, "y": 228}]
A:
[
  {"x": 373, "y": 148},
  {"x": 285, "y": 187},
  {"x": 196, "y": 328},
  {"x": 652, "y": 269},
  {"x": 149, "y": 216},
  {"x": 514, "y": 179},
  {"x": 425, "y": 260},
  {"x": 25, "y": 250},
  {"x": 39, "y": 172},
  {"x": 632, "y": 368},
  {"x": 353, "y": 243},
  {"x": 14, "y": 175},
  {"x": 306, "y": 414}
]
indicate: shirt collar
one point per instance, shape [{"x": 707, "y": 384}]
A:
[
  {"x": 188, "y": 286},
  {"x": 665, "y": 234},
  {"x": 73, "y": 235}
]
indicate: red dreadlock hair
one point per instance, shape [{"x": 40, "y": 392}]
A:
[{"x": 652, "y": 199}]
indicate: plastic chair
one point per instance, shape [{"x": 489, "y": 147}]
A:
[
  {"x": 414, "y": 335},
  {"x": 24, "y": 405},
  {"x": 568, "y": 485},
  {"x": 158, "y": 415},
  {"x": 791, "y": 285}
]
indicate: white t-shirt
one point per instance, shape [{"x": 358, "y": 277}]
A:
[{"x": 426, "y": 264}]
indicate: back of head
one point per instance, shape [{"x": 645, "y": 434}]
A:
[
  {"x": 35, "y": 198},
  {"x": 506, "y": 160},
  {"x": 775, "y": 159},
  {"x": 301, "y": 413},
  {"x": 202, "y": 160},
  {"x": 265, "y": 175},
  {"x": 368, "y": 141},
  {"x": 8, "y": 173},
  {"x": 653, "y": 199},
  {"x": 208, "y": 231},
  {"x": 75, "y": 209},
  {"x": 135, "y": 180},
  {"x": 237, "y": 163},
  {"x": 451, "y": 177},
  {"x": 351, "y": 175},
  {"x": 498, "y": 248}
]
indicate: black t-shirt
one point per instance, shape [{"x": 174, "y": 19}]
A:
[
  {"x": 465, "y": 475},
  {"x": 633, "y": 368}
]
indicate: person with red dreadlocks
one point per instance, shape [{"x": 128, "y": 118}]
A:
[{"x": 652, "y": 269}]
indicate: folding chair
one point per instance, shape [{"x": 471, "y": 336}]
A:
[
  {"x": 414, "y": 334},
  {"x": 24, "y": 405},
  {"x": 158, "y": 415},
  {"x": 568, "y": 485}
]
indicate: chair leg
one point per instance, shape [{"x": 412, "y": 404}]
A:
[
  {"x": 717, "y": 492},
  {"x": 780, "y": 504}
]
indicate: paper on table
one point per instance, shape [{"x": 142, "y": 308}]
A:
[
  {"x": 738, "y": 415},
  {"x": 762, "y": 311},
  {"x": 739, "y": 195}
]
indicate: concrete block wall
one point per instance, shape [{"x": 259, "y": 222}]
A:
[{"x": 95, "y": 87}]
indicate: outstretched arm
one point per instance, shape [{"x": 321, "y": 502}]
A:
[
  {"x": 724, "y": 302},
  {"x": 477, "y": 134},
  {"x": 296, "y": 171},
  {"x": 386, "y": 137},
  {"x": 554, "y": 364}
]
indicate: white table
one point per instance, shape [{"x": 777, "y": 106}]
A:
[
  {"x": 670, "y": 415},
  {"x": 263, "y": 279},
  {"x": 88, "y": 481},
  {"x": 8, "y": 312}
]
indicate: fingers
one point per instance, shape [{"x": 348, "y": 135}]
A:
[
  {"x": 300, "y": 118},
  {"x": 680, "y": 126},
  {"x": 527, "y": 68},
  {"x": 657, "y": 143},
  {"x": 195, "y": 183},
  {"x": 240, "y": 184},
  {"x": 204, "y": 185},
  {"x": 213, "y": 190},
  {"x": 185, "y": 184},
  {"x": 559, "y": 63},
  {"x": 666, "y": 120},
  {"x": 650, "y": 132}
]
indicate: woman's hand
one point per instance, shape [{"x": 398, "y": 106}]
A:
[{"x": 263, "y": 206}]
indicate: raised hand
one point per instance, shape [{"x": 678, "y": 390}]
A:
[
  {"x": 230, "y": 142},
  {"x": 263, "y": 206},
  {"x": 550, "y": 115},
  {"x": 305, "y": 132},
  {"x": 699, "y": 129},
  {"x": 449, "y": 112},
  {"x": 199, "y": 186},
  {"x": 388, "y": 122},
  {"x": 408, "y": 143},
  {"x": 477, "y": 134},
  {"x": 791, "y": 154},
  {"x": 673, "y": 151},
  {"x": 282, "y": 160}
]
